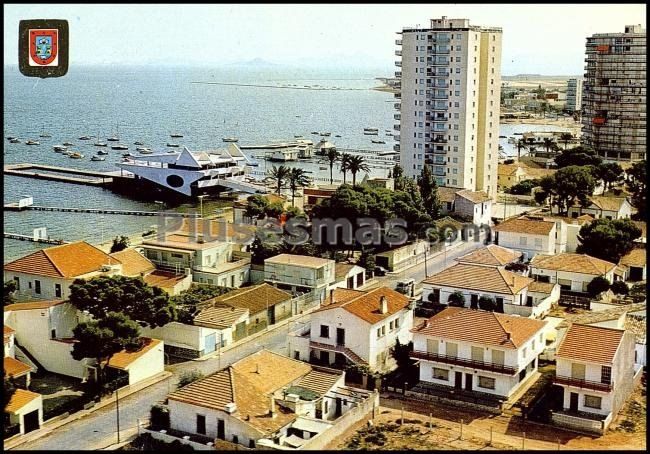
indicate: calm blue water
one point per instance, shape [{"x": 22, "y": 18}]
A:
[{"x": 147, "y": 104}]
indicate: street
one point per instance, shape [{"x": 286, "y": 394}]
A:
[{"x": 99, "y": 429}]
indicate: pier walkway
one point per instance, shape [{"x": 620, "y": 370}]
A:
[
  {"x": 16, "y": 236},
  {"x": 14, "y": 207},
  {"x": 78, "y": 176}
]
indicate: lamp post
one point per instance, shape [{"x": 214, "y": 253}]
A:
[
  {"x": 117, "y": 406},
  {"x": 201, "y": 203}
]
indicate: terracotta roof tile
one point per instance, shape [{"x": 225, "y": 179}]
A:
[
  {"x": 32, "y": 305},
  {"x": 214, "y": 391},
  {"x": 521, "y": 225},
  {"x": 163, "y": 279},
  {"x": 481, "y": 278},
  {"x": 219, "y": 317},
  {"x": 133, "y": 263},
  {"x": 507, "y": 169},
  {"x": 64, "y": 261},
  {"x": 298, "y": 260},
  {"x": 490, "y": 255},
  {"x": 608, "y": 203},
  {"x": 19, "y": 399},
  {"x": 342, "y": 269},
  {"x": 446, "y": 194},
  {"x": 256, "y": 298},
  {"x": 8, "y": 331},
  {"x": 365, "y": 305},
  {"x": 124, "y": 359},
  {"x": 575, "y": 263},
  {"x": 541, "y": 287},
  {"x": 14, "y": 368},
  {"x": 594, "y": 344},
  {"x": 218, "y": 230},
  {"x": 636, "y": 257},
  {"x": 481, "y": 327}
]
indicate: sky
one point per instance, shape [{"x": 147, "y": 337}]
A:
[{"x": 537, "y": 39}]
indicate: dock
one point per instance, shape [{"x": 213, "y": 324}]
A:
[
  {"x": 76, "y": 176},
  {"x": 14, "y": 207},
  {"x": 16, "y": 236}
]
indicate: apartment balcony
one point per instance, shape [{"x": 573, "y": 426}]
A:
[
  {"x": 396, "y": 127},
  {"x": 398, "y": 73},
  {"x": 396, "y": 147},
  {"x": 398, "y": 63},
  {"x": 398, "y": 52},
  {"x": 587, "y": 384},
  {"x": 490, "y": 367},
  {"x": 599, "y": 121},
  {"x": 397, "y": 95},
  {"x": 438, "y": 63},
  {"x": 439, "y": 40},
  {"x": 397, "y": 105},
  {"x": 397, "y": 116},
  {"x": 437, "y": 50},
  {"x": 440, "y": 107},
  {"x": 398, "y": 42},
  {"x": 396, "y": 137},
  {"x": 438, "y": 140},
  {"x": 438, "y": 96}
]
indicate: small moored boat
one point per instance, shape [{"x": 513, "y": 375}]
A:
[
  {"x": 59, "y": 148},
  {"x": 119, "y": 147},
  {"x": 68, "y": 144},
  {"x": 175, "y": 135},
  {"x": 76, "y": 155},
  {"x": 102, "y": 152},
  {"x": 230, "y": 139},
  {"x": 138, "y": 143},
  {"x": 173, "y": 145},
  {"x": 98, "y": 158},
  {"x": 84, "y": 138},
  {"x": 14, "y": 140},
  {"x": 32, "y": 142},
  {"x": 100, "y": 144}
]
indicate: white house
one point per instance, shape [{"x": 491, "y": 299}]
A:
[
  {"x": 491, "y": 255},
  {"x": 511, "y": 291},
  {"x": 604, "y": 207},
  {"x": 47, "y": 273},
  {"x": 358, "y": 327},
  {"x": 635, "y": 264},
  {"x": 473, "y": 350},
  {"x": 571, "y": 271},
  {"x": 300, "y": 273},
  {"x": 348, "y": 276},
  {"x": 595, "y": 368},
  {"x": 531, "y": 236},
  {"x": 44, "y": 330},
  {"x": 263, "y": 400},
  {"x": 18, "y": 371},
  {"x": 475, "y": 206},
  {"x": 25, "y": 409}
]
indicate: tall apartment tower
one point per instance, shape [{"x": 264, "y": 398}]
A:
[
  {"x": 574, "y": 95},
  {"x": 614, "y": 95},
  {"x": 449, "y": 103}
]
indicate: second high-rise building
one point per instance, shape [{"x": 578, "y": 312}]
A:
[{"x": 449, "y": 103}]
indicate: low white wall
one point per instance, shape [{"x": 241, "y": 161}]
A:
[
  {"x": 148, "y": 365},
  {"x": 169, "y": 439}
]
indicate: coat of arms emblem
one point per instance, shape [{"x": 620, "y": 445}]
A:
[{"x": 43, "y": 46}]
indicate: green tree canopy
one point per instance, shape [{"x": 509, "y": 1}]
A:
[
  {"x": 597, "y": 285},
  {"x": 578, "y": 156},
  {"x": 487, "y": 303},
  {"x": 572, "y": 183},
  {"x": 637, "y": 184},
  {"x": 120, "y": 243},
  {"x": 256, "y": 208},
  {"x": 620, "y": 288},
  {"x": 188, "y": 301},
  {"x": 429, "y": 192},
  {"x": 608, "y": 239},
  {"x": 609, "y": 172},
  {"x": 297, "y": 179},
  {"x": 456, "y": 299},
  {"x": 129, "y": 295},
  {"x": 280, "y": 175},
  {"x": 8, "y": 292}
]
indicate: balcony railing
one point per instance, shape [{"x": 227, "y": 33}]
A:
[
  {"x": 398, "y": 73},
  {"x": 396, "y": 148},
  {"x": 397, "y": 116},
  {"x": 398, "y": 42},
  {"x": 491, "y": 367},
  {"x": 398, "y": 53},
  {"x": 397, "y": 105},
  {"x": 579, "y": 383},
  {"x": 398, "y": 63},
  {"x": 397, "y": 95},
  {"x": 396, "y": 127}
]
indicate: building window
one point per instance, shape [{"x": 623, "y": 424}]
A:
[
  {"x": 390, "y": 326},
  {"x": 378, "y": 333},
  {"x": 486, "y": 382},
  {"x": 325, "y": 331},
  {"x": 17, "y": 281},
  {"x": 37, "y": 286},
  {"x": 477, "y": 353},
  {"x": 538, "y": 243},
  {"x": 578, "y": 371},
  {"x": 523, "y": 241},
  {"x": 251, "y": 443},
  {"x": 452, "y": 349},
  {"x": 57, "y": 290},
  {"x": 498, "y": 357},
  {"x": 524, "y": 352},
  {"x": 440, "y": 374},
  {"x": 606, "y": 374},
  {"x": 200, "y": 424},
  {"x": 396, "y": 323},
  {"x": 593, "y": 401}
]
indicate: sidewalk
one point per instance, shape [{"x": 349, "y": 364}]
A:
[{"x": 58, "y": 421}]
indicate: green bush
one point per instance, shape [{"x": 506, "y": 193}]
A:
[
  {"x": 188, "y": 377},
  {"x": 160, "y": 416},
  {"x": 597, "y": 285},
  {"x": 620, "y": 288},
  {"x": 456, "y": 299}
]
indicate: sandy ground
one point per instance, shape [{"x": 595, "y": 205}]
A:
[{"x": 507, "y": 431}]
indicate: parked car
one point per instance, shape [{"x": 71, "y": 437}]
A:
[
  {"x": 380, "y": 271},
  {"x": 406, "y": 287}
]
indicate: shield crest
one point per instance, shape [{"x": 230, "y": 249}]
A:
[{"x": 43, "y": 46}]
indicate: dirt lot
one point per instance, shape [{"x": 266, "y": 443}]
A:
[{"x": 507, "y": 431}]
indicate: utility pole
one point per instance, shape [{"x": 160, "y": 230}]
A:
[{"x": 117, "y": 405}]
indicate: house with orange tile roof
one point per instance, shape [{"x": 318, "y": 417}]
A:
[
  {"x": 511, "y": 291},
  {"x": 354, "y": 326},
  {"x": 531, "y": 235},
  {"x": 635, "y": 264},
  {"x": 603, "y": 207},
  {"x": 476, "y": 353},
  {"x": 571, "y": 271},
  {"x": 47, "y": 273},
  {"x": 475, "y": 206},
  {"x": 142, "y": 363},
  {"x": 267, "y": 401},
  {"x": 25, "y": 409},
  {"x": 18, "y": 371},
  {"x": 595, "y": 368}
]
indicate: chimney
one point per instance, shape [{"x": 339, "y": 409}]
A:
[
  {"x": 426, "y": 323},
  {"x": 383, "y": 304},
  {"x": 331, "y": 296},
  {"x": 272, "y": 411},
  {"x": 257, "y": 368}
]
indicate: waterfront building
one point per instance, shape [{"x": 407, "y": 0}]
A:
[
  {"x": 574, "y": 95},
  {"x": 449, "y": 103},
  {"x": 614, "y": 95}
]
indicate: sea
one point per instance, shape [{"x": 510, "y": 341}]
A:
[{"x": 149, "y": 103}]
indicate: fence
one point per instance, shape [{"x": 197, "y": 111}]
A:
[{"x": 578, "y": 423}]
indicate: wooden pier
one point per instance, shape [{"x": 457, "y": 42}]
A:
[
  {"x": 16, "y": 236},
  {"x": 14, "y": 207}
]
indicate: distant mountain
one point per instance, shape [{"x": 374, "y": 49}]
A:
[{"x": 255, "y": 63}]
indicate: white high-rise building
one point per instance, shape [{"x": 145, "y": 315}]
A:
[
  {"x": 574, "y": 95},
  {"x": 449, "y": 109}
]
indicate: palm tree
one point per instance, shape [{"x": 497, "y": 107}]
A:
[
  {"x": 279, "y": 174},
  {"x": 520, "y": 144},
  {"x": 357, "y": 164},
  {"x": 566, "y": 137},
  {"x": 297, "y": 178},
  {"x": 332, "y": 156},
  {"x": 547, "y": 143},
  {"x": 345, "y": 163}
]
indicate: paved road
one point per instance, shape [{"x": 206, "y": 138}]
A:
[{"x": 99, "y": 429}]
